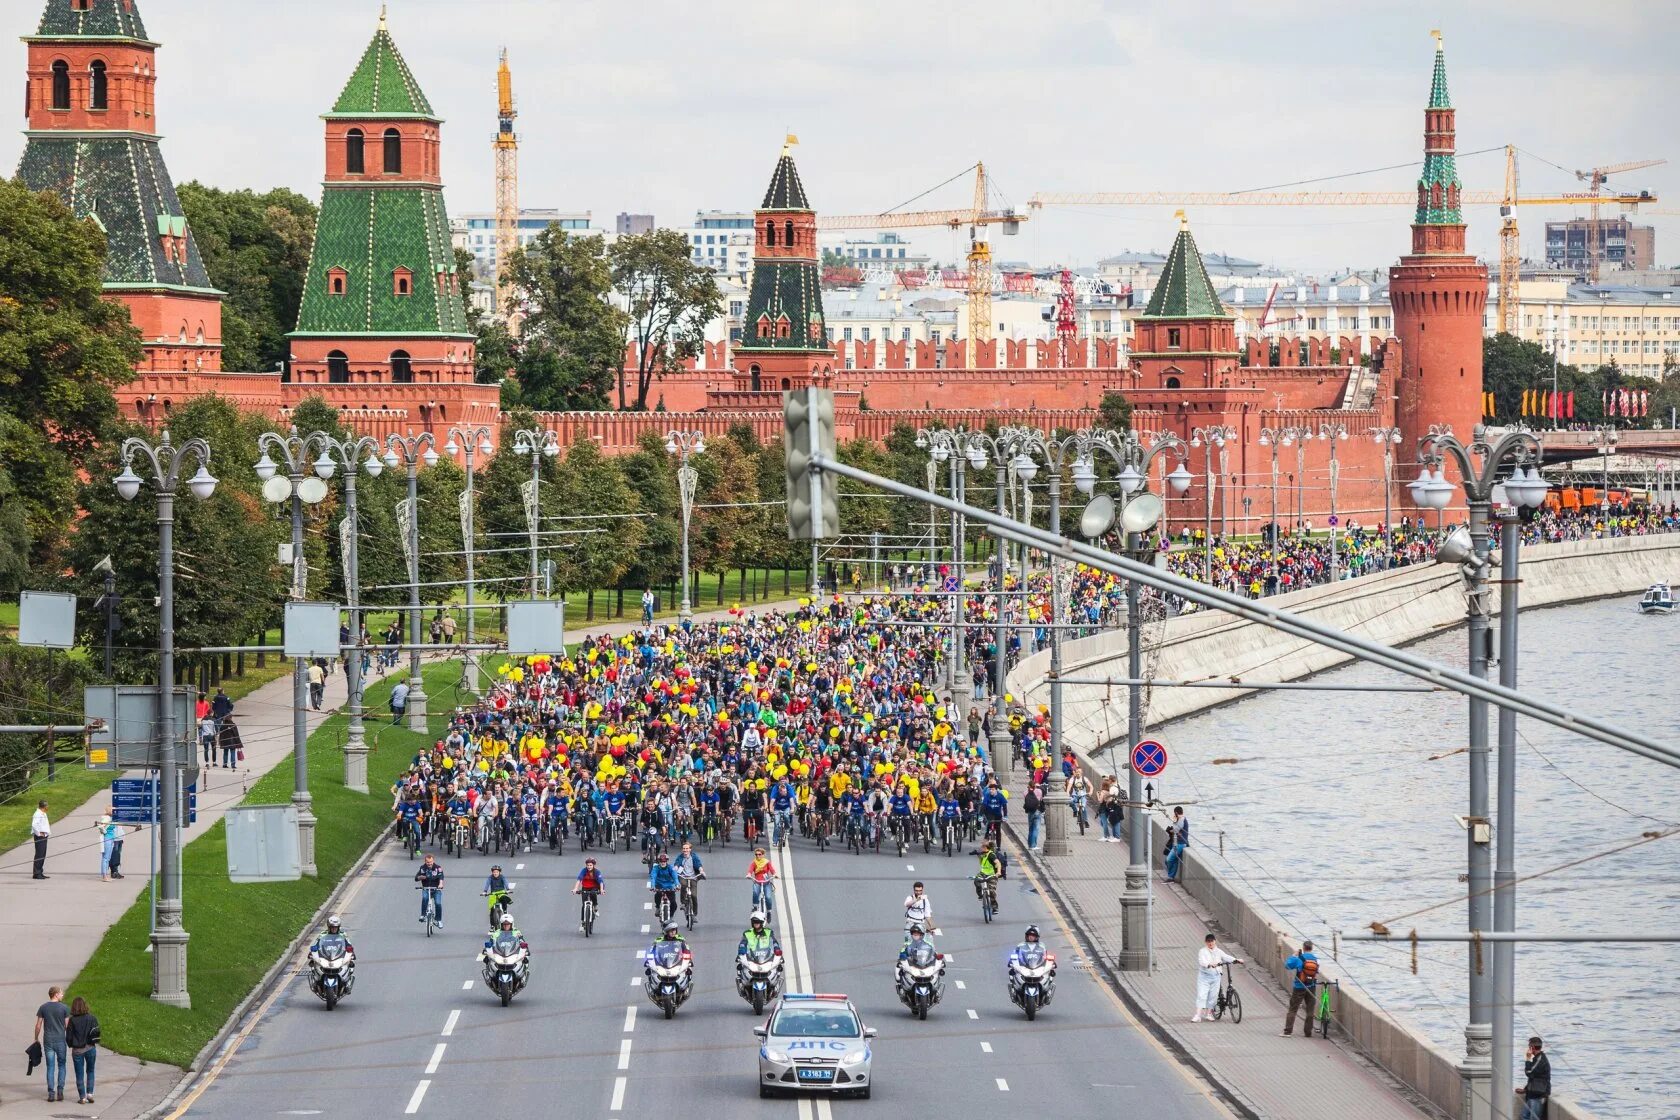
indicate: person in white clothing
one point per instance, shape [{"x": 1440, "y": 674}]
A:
[
  {"x": 918, "y": 909},
  {"x": 1209, "y": 961},
  {"x": 40, "y": 830}
]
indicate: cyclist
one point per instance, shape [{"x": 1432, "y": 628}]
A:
[
  {"x": 555, "y": 810},
  {"x": 430, "y": 877},
  {"x": 822, "y": 805},
  {"x": 709, "y": 799},
  {"x": 1079, "y": 791},
  {"x": 762, "y": 873},
  {"x": 615, "y": 811},
  {"x": 991, "y": 867},
  {"x": 950, "y": 813},
  {"x": 994, "y": 802},
  {"x": 688, "y": 869},
  {"x": 663, "y": 882},
  {"x": 752, "y": 809},
  {"x": 901, "y": 806},
  {"x": 590, "y": 884},
  {"x": 409, "y": 813},
  {"x": 496, "y": 890},
  {"x": 781, "y": 800},
  {"x": 927, "y": 805}
]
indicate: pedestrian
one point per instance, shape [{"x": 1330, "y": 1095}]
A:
[
  {"x": 1178, "y": 838},
  {"x": 117, "y": 833},
  {"x": 1034, "y": 806},
  {"x": 107, "y": 842},
  {"x": 647, "y": 606},
  {"x": 41, "y": 829},
  {"x": 1537, "y": 1068},
  {"x": 207, "y": 736},
  {"x": 437, "y": 628},
  {"x": 1303, "y": 991},
  {"x": 399, "y": 701},
  {"x": 317, "y": 685},
  {"x": 1111, "y": 810},
  {"x": 1210, "y": 962},
  {"x": 974, "y": 719},
  {"x": 221, "y": 706},
  {"x": 50, "y": 1020},
  {"x": 233, "y": 747},
  {"x": 449, "y": 628},
  {"x": 81, "y": 1034}
]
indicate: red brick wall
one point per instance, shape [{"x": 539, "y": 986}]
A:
[{"x": 131, "y": 84}]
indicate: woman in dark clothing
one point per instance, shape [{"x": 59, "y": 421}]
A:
[{"x": 81, "y": 1033}]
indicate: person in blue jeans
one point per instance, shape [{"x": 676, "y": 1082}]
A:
[
  {"x": 50, "y": 1021},
  {"x": 82, "y": 1034},
  {"x": 430, "y": 877},
  {"x": 1180, "y": 839},
  {"x": 1537, "y": 1086}
]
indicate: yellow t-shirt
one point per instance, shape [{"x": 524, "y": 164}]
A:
[{"x": 839, "y": 782}]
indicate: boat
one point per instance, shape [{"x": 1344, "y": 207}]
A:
[{"x": 1658, "y": 600}]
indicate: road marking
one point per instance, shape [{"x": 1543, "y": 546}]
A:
[
  {"x": 801, "y": 977},
  {"x": 618, "y": 1094},
  {"x": 437, "y": 1056},
  {"x": 629, "y": 1018},
  {"x": 419, "y": 1095},
  {"x": 635, "y": 981},
  {"x": 973, "y": 1014},
  {"x": 961, "y": 986},
  {"x": 985, "y": 1048},
  {"x": 950, "y": 958},
  {"x": 624, "y": 1054},
  {"x": 466, "y": 985},
  {"x": 646, "y": 928},
  {"x": 909, "y": 867},
  {"x": 449, "y": 1026},
  {"x": 1003, "y": 1086},
  {"x": 647, "y": 906},
  {"x": 519, "y": 867}
]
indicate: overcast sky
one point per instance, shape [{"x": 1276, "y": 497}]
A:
[{"x": 668, "y": 106}]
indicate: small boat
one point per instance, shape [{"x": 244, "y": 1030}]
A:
[{"x": 1658, "y": 600}]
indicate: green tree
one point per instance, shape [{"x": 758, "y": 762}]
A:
[
  {"x": 63, "y": 348},
  {"x": 570, "y": 344},
  {"x": 35, "y": 688},
  {"x": 1116, "y": 411},
  {"x": 651, "y": 474},
  {"x": 721, "y": 535},
  {"x": 670, "y": 299},
  {"x": 256, "y": 249},
  {"x": 590, "y": 483}
]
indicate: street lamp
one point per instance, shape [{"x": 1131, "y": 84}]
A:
[
  {"x": 683, "y": 444},
  {"x": 1606, "y": 437},
  {"x": 1214, "y": 436},
  {"x": 300, "y": 486},
  {"x": 1273, "y": 437},
  {"x": 1386, "y": 439},
  {"x": 948, "y": 445},
  {"x": 352, "y": 453},
  {"x": 1482, "y": 488},
  {"x": 472, "y": 442},
  {"x": 1334, "y": 431},
  {"x": 539, "y": 444},
  {"x": 166, "y": 464},
  {"x": 409, "y": 452}
]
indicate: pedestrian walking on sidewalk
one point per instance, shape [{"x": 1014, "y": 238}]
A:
[
  {"x": 114, "y": 835},
  {"x": 449, "y": 629},
  {"x": 81, "y": 1034},
  {"x": 1178, "y": 838},
  {"x": 399, "y": 701},
  {"x": 50, "y": 1020},
  {"x": 1111, "y": 810},
  {"x": 1303, "y": 991},
  {"x": 221, "y": 706},
  {"x": 1210, "y": 963},
  {"x": 207, "y": 736},
  {"x": 108, "y": 831},
  {"x": 647, "y": 606},
  {"x": 317, "y": 685},
  {"x": 41, "y": 829},
  {"x": 233, "y": 747},
  {"x": 1537, "y": 1068}
]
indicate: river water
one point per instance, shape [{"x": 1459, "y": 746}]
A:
[{"x": 1336, "y": 814}]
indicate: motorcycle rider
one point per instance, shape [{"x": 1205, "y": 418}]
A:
[
  {"x": 663, "y": 882},
  {"x": 758, "y": 935},
  {"x": 1028, "y": 939},
  {"x": 430, "y": 877},
  {"x": 335, "y": 928},
  {"x": 915, "y": 936},
  {"x": 507, "y": 926},
  {"x": 496, "y": 887}
]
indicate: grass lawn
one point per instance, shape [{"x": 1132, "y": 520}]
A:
[
  {"x": 75, "y": 784},
  {"x": 240, "y": 929}
]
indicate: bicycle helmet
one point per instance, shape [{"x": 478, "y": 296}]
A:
[
  {"x": 1032, "y": 933},
  {"x": 495, "y": 867},
  {"x": 333, "y": 924},
  {"x": 757, "y": 917}
]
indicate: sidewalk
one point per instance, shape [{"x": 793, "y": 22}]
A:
[
  {"x": 1271, "y": 1076},
  {"x": 53, "y": 927}
]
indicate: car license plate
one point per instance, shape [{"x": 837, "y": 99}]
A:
[{"x": 816, "y": 1075}]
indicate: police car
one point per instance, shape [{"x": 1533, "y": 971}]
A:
[{"x": 814, "y": 1042}]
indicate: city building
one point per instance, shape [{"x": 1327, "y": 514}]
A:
[
  {"x": 1621, "y": 244},
  {"x": 90, "y": 98},
  {"x": 631, "y": 224},
  {"x": 476, "y": 233},
  {"x": 722, "y": 240},
  {"x": 885, "y": 250},
  {"x": 1594, "y": 324}
]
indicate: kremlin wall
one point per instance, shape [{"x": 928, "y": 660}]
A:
[{"x": 383, "y": 336}]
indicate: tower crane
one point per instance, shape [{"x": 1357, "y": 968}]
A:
[
  {"x": 507, "y": 190},
  {"x": 977, "y": 218},
  {"x": 1594, "y": 177}
]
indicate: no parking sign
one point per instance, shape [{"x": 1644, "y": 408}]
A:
[{"x": 1149, "y": 758}]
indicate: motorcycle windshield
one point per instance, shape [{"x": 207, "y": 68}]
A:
[
  {"x": 666, "y": 954},
  {"x": 331, "y": 947},
  {"x": 506, "y": 945},
  {"x": 762, "y": 955},
  {"x": 920, "y": 956},
  {"x": 1031, "y": 956}
]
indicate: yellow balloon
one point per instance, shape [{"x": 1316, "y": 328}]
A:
[{"x": 780, "y": 772}]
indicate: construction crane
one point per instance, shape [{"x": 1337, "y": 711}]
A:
[
  {"x": 1595, "y": 177},
  {"x": 507, "y": 191},
  {"x": 977, "y": 217}
]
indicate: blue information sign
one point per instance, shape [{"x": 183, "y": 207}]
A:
[{"x": 1149, "y": 758}]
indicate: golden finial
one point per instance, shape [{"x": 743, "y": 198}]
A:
[
  {"x": 1183, "y": 222},
  {"x": 788, "y": 143},
  {"x": 382, "y": 17},
  {"x": 1435, "y": 34}
]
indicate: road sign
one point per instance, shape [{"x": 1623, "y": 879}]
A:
[
  {"x": 1149, "y": 758},
  {"x": 1333, "y": 521}
]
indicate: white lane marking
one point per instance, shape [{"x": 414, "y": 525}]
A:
[
  {"x": 618, "y": 1094},
  {"x": 449, "y": 1024},
  {"x": 419, "y": 1095},
  {"x": 624, "y": 1054},
  {"x": 646, "y": 928},
  {"x": 519, "y": 867},
  {"x": 641, "y": 954},
  {"x": 909, "y": 867},
  {"x": 1003, "y": 1086},
  {"x": 825, "y": 1111},
  {"x": 973, "y": 1014},
  {"x": 801, "y": 972},
  {"x": 635, "y": 981},
  {"x": 985, "y": 1048},
  {"x": 437, "y": 1056},
  {"x": 961, "y": 985},
  {"x": 950, "y": 958},
  {"x": 629, "y": 1018},
  {"x": 804, "y": 1108},
  {"x": 466, "y": 985},
  {"x": 647, "y": 906}
]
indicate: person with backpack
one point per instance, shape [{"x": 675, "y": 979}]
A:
[{"x": 1303, "y": 992}]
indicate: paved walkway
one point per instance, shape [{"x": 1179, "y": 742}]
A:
[{"x": 1272, "y": 1076}]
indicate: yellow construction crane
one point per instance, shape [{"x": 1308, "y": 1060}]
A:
[
  {"x": 507, "y": 191},
  {"x": 1595, "y": 177},
  {"x": 977, "y": 217}
]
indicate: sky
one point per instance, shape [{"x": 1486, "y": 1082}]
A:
[{"x": 669, "y": 106}]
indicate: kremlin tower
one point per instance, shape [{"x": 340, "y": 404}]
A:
[
  {"x": 93, "y": 141},
  {"x": 784, "y": 341},
  {"x": 1439, "y": 293}
]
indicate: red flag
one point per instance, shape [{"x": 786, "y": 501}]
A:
[
  {"x": 1604, "y": 401},
  {"x": 1571, "y": 404},
  {"x": 1644, "y": 402}
]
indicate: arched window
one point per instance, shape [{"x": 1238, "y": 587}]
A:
[
  {"x": 769, "y": 227},
  {"x": 1172, "y": 382},
  {"x": 401, "y": 372},
  {"x": 393, "y": 152},
  {"x": 788, "y": 229},
  {"x": 338, "y": 368},
  {"x": 60, "y": 84},
  {"x": 338, "y": 281},
  {"x": 787, "y": 383},
  {"x": 402, "y": 282},
  {"x": 354, "y": 164},
  {"x": 97, "y": 95},
  {"x": 753, "y": 373}
]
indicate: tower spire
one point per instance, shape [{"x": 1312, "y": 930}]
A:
[
  {"x": 1438, "y": 185},
  {"x": 382, "y": 24}
]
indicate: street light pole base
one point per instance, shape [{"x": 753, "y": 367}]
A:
[
  {"x": 169, "y": 960},
  {"x": 355, "y": 766},
  {"x": 1475, "y": 1072},
  {"x": 415, "y": 717},
  {"x": 1134, "y": 921},
  {"x": 685, "y": 611},
  {"x": 1000, "y": 745},
  {"x": 306, "y": 833},
  {"x": 1056, "y": 811}
]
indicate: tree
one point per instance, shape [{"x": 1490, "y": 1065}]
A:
[
  {"x": 1116, "y": 411},
  {"x": 570, "y": 345},
  {"x": 590, "y": 483},
  {"x": 256, "y": 249},
  {"x": 651, "y": 474},
  {"x": 63, "y": 348},
  {"x": 669, "y": 298}
]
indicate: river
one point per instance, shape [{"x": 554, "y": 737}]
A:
[{"x": 1338, "y": 812}]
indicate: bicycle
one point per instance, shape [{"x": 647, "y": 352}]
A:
[
  {"x": 1322, "y": 1010},
  {"x": 854, "y": 834},
  {"x": 410, "y": 835},
  {"x": 459, "y": 837},
  {"x": 591, "y": 903},
  {"x": 784, "y": 824},
  {"x": 1228, "y": 999},
  {"x": 690, "y": 901},
  {"x": 900, "y": 831},
  {"x": 951, "y": 837},
  {"x": 988, "y": 896},
  {"x": 709, "y": 830},
  {"x": 764, "y": 896},
  {"x": 1080, "y": 816},
  {"x": 500, "y": 901},
  {"x": 663, "y": 904},
  {"x": 430, "y": 905},
  {"x": 924, "y": 827}
]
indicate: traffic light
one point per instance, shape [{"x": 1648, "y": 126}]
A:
[{"x": 813, "y": 502}]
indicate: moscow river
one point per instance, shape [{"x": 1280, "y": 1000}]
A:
[{"x": 1339, "y": 812}]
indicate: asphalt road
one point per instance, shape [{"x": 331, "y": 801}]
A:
[{"x": 422, "y": 1036}]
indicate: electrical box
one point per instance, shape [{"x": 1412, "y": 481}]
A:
[{"x": 262, "y": 844}]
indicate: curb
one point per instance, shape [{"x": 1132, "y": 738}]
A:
[
  {"x": 276, "y": 974},
  {"x": 1045, "y": 880}
]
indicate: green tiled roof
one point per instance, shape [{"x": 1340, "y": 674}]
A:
[
  {"x": 1439, "y": 168},
  {"x": 107, "y": 19},
  {"x": 785, "y": 287},
  {"x": 1438, "y": 98},
  {"x": 122, "y": 182},
  {"x": 1184, "y": 290},
  {"x": 786, "y": 191},
  {"x": 370, "y": 232},
  {"x": 382, "y": 84}
]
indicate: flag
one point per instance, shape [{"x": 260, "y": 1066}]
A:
[
  {"x": 1571, "y": 404},
  {"x": 1644, "y": 402},
  {"x": 1525, "y": 402},
  {"x": 1604, "y": 401}
]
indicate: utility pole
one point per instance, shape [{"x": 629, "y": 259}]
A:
[
  {"x": 539, "y": 444},
  {"x": 1334, "y": 431},
  {"x": 166, "y": 463},
  {"x": 1214, "y": 436},
  {"x": 471, "y": 440},
  {"x": 1386, "y": 439},
  {"x": 109, "y": 604},
  {"x": 349, "y": 454},
  {"x": 409, "y": 452}
]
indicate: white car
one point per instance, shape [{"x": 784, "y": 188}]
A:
[{"x": 814, "y": 1042}]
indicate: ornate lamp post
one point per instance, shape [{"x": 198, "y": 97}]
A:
[
  {"x": 409, "y": 452},
  {"x": 683, "y": 444},
  {"x": 950, "y": 445},
  {"x": 165, "y": 464},
  {"x": 470, "y": 440},
  {"x": 1334, "y": 431},
  {"x": 1606, "y": 437},
  {"x": 1214, "y": 436},
  {"x": 1386, "y": 439},
  {"x": 1272, "y": 438},
  {"x": 539, "y": 444}
]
